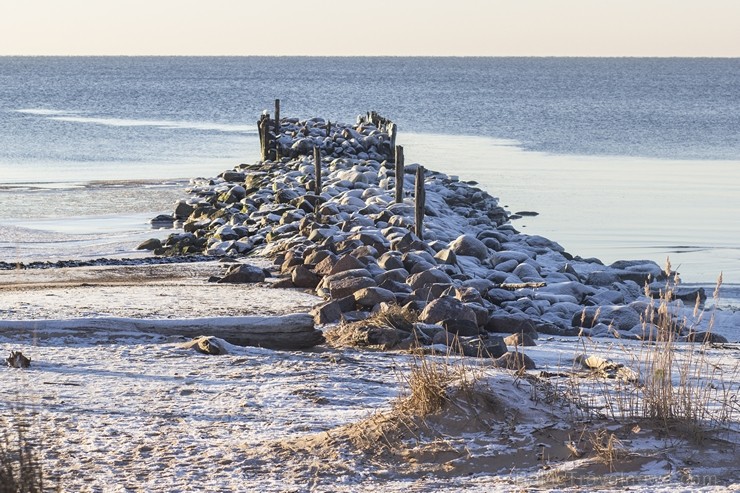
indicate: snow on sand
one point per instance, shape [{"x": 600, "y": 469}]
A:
[{"x": 141, "y": 413}]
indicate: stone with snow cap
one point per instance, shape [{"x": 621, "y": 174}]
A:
[
  {"x": 446, "y": 308},
  {"x": 469, "y": 245}
]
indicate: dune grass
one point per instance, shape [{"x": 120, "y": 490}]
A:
[{"x": 20, "y": 465}]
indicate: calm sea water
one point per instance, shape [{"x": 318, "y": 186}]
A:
[{"x": 623, "y": 158}]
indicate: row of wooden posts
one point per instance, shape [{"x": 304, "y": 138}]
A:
[{"x": 400, "y": 171}]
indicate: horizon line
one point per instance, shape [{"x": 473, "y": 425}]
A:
[{"x": 352, "y": 56}]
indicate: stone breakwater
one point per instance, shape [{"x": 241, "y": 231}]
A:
[{"x": 473, "y": 278}]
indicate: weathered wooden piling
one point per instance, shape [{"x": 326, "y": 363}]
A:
[
  {"x": 392, "y": 132},
  {"x": 400, "y": 174},
  {"x": 263, "y": 127},
  {"x": 277, "y": 118},
  {"x": 317, "y": 169},
  {"x": 317, "y": 178},
  {"x": 419, "y": 203}
]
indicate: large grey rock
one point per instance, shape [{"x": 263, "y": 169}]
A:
[
  {"x": 602, "y": 278},
  {"x": 515, "y": 361},
  {"x": 507, "y": 323},
  {"x": 346, "y": 262},
  {"x": 331, "y": 311},
  {"x": 705, "y": 338},
  {"x": 421, "y": 266},
  {"x": 490, "y": 347},
  {"x": 183, "y": 210},
  {"x": 569, "y": 288},
  {"x": 304, "y": 278},
  {"x": 461, "y": 327},
  {"x": 620, "y": 317},
  {"x": 468, "y": 295},
  {"x": 428, "y": 277},
  {"x": 446, "y": 308},
  {"x": 325, "y": 266},
  {"x": 317, "y": 256},
  {"x": 389, "y": 261},
  {"x": 506, "y": 255},
  {"x": 150, "y": 244},
  {"x": 482, "y": 285},
  {"x": 395, "y": 286},
  {"x": 507, "y": 265},
  {"x": 243, "y": 273},
  {"x": 446, "y": 256},
  {"x": 469, "y": 245},
  {"x": 607, "y": 297},
  {"x": 339, "y": 288},
  {"x": 369, "y": 297},
  {"x": 345, "y": 274},
  {"x": 498, "y": 296},
  {"x": 640, "y": 266},
  {"x": 397, "y": 275},
  {"x": 387, "y": 337},
  {"x": 527, "y": 273}
]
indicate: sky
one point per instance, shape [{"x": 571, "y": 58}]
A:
[{"x": 373, "y": 27}]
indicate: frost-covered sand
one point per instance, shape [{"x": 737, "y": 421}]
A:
[
  {"x": 117, "y": 410},
  {"x": 142, "y": 413}
]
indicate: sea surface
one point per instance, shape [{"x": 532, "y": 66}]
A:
[{"x": 622, "y": 158}]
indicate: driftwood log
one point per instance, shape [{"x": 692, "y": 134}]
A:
[{"x": 295, "y": 331}]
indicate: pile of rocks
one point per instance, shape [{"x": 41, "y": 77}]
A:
[{"x": 472, "y": 276}]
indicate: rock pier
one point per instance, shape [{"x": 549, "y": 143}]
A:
[{"x": 473, "y": 279}]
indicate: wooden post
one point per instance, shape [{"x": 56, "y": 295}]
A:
[
  {"x": 419, "y": 203},
  {"x": 317, "y": 178},
  {"x": 277, "y": 118},
  {"x": 400, "y": 174},
  {"x": 263, "y": 129},
  {"x": 392, "y": 132},
  {"x": 328, "y": 128},
  {"x": 317, "y": 168}
]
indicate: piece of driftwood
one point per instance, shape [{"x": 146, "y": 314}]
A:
[
  {"x": 513, "y": 286},
  {"x": 296, "y": 331},
  {"x": 17, "y": 360}
]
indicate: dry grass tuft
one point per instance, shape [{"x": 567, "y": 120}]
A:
[
  {"x": 427, "y": 385},
  {"x": 430, "y": 379},
  {"x": 608, "y": 448},
  {"x": 673, "y": 384},
  {"x": 384, "y": 329},
  {"x": 396, "y": 317},
  {"x": 679, "y": 386},
  {"x": 346, "y": 335},
  {"x": 20, "y": 466}
]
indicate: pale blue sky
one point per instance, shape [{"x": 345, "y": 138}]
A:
[{"x": 373, "y": 27}]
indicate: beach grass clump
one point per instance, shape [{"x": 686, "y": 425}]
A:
[
  {"x": 20, "y": 466},
  {"x": 427, "y": 383},
  {"x": 385, "y": 328},
  {"x": 430, "y": 380},
  {"x": 607, "y": 447},
  {"x": 677, "y": 384}
]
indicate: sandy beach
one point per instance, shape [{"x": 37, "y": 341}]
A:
[{"x": 141, "y": 413}]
